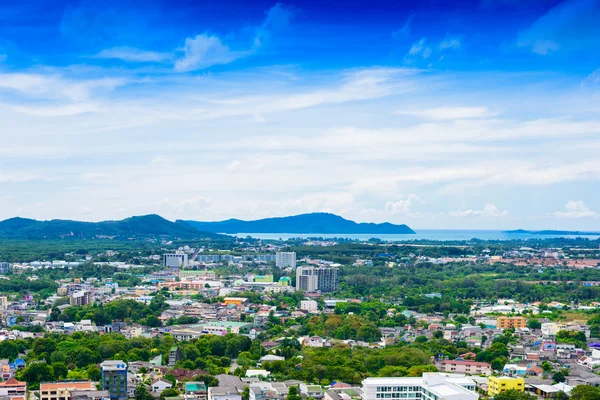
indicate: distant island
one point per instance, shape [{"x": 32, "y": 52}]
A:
[
  {"x": 134, "y": 227},
  {"x": 317, "y": 223},
  {"x": 554, "y": 232}
]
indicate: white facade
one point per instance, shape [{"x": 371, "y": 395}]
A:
[
  {"x": 550, "y": 329},
  {"x": 285, "y": 259},
  {"x": 431, "y": 386},
  {"x": 176, "y": 260},
  {"x": 306, "y": 280},
  {"x": 309, "y": 305}
]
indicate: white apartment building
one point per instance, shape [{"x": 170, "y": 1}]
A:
[
  {"x": 550, "y": 328},
  {"x": 466, "y": 367},
  {"x": 431, "y": 386},
  {"x": 284, "y": 259},
  {"x": 309, "y": 305}
]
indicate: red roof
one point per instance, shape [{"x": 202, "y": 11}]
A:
[{"x": 466, "y": 362}]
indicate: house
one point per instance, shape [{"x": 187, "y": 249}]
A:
[
  {"x": 499, "y": 384},
  {"x": 314, "y": 391},
  {"x": 314, "y": 341},
  {"x": 223, "y": 393},
  {"x": 271, "y": 357},
  {"x": 514, "y": 370},
  {"x": 62, "y": 390},
  {"x": 12, "y": 387},
  {"x": 161, "y": 384},
  {"x": 466, "y": 367}
]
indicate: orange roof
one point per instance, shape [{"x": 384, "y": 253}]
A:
[
  {"x": 12, "y": 382},
  {"x": 68, "y": 385}
]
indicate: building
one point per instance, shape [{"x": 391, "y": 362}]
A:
[
  {"x": 174, "y": 356},
  {"x": 224, "y": 393},
  {"x": 114, "y": 379},
  {"x": 176, "y": 260},
  {"x": 160, "y": 384},
  {"x": 327, "y": 279},
  {"x": 431, "y": 386},
  {"x": 3, "y": 302},
  {"x": 309, "y": 305},
  {"x": 238, "y": 301},
  {"x": 196, "y": 390},
  {"x": 63, "y": 390},
  {"x": 499, "y": 384},
  {"x": 511, "y": 322},
  {"x": 12, "y": 388},
  {"x": 466, "y": 367},
  {"x": 81, "y": 298},
  {"x": 263, "y": 279},
  {"x": 284, "y": 259},
  {"x": 4, "y": 268},
  {"x": 306, "y": 280},
  {"x": 550, "y": 328}
]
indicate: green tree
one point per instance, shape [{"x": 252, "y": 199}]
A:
[
  {"x": 293, "y": 394},
  {"x": 558, "y": 377},
  {"x": 514, "y": 395},
  {"x": 141, "y": 393},
  {"x": 534, "y": 324},
  {"x": 35, "y": 373},
  {"x": 94, "y": 373},
  {"x": 9, "y": 349},
  {"x": 170, "y": 392},
  {"x": 60, "y": 370},
  {"x": 584, "y": 392}
]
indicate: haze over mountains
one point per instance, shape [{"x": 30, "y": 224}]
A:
[
  {"x": 325, "y": 223},
  {"x": 157, "y": 226}
]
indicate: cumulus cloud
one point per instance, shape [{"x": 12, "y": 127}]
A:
[
  {"x": 488, "y": 211},
  {"x": 131, "y": 54},
  {"x": 576, "y": 209},
  {"x": 402, "y": 206},
  {"x": 277, "y": 18},
  {"x": 203, "y": 51}
]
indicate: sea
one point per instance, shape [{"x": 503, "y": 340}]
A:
[{"x": 421, "y": 234}]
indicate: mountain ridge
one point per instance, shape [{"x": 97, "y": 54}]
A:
[
  {"x": 151, "y": 225},
  {"x": 317, "y": 223}
]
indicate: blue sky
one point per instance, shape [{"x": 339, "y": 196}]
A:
[{"x": 439, "y": 114}]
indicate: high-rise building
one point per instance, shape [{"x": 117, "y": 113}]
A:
[
  {"x": 4, "y": 268},
  {"x": 431, "y": 386},
  {"x": 311, "y": 279},
  {"x": 284, "y": 259},
  {"x": 306, "y": 280},
  {"x": 81, "y": 298},
  {"x": 114, "y": 379},
  {"x": 176, "y": 260}
]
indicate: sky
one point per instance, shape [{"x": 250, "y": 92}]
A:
[{"x": 469, "y": 114}]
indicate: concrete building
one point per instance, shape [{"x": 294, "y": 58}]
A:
[
  {"x": 63, "y": 390},
  {"x": 174, "y": 356},
  {"x": 511, "y": 322},
  {"x": 114, "y": 379},
  {"x": 13, "y": 388},
  {"x": 327, "y": 279},
  {"x": 284, "y": 259},
  {"x": 431, "y": 386},
  {"x": 306, "y": 280},
  {"x": 4, "y": 268},
  {"x": 176, "y": 260},
  {"x": 499, "y": 384},
  {"x": 309, "y": 305},
  {"x": 466, "y": 367},
  {"x": 224, "y": 393},
  {"x": 81, "y": 298}
]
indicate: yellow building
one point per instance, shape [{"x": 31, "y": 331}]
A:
[
  {"x": 511, "y": 322},
  {"x": 238, "y": 301},
  {"x": 499, "y": 384}
]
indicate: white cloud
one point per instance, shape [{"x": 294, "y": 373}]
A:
[
  {"x": 402, "y": 206},
  {"x": 488, "y": 211},
  {"x": 205, "y": 51},
  {"x": 277, "y": 18},
  {"x": 450, "y": 43},
  {"x": 404, "y": 31},
  {"x": 449, "y": 113},
  {"x": 576, "y": 209},
  {"x": 419, "y": 50},
  {"x": 131, "y": 54}
]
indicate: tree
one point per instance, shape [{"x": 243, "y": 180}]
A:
[
  {"x": 534, "y": 324},
  {"x": 170, "y": 392},
  {"x": 438, "y": 334},
  {"x": 584, "y": 392},
  {"x": 94, "y": 373},
  {"x": 293, "y": 394},
  {"x": 141, "y": 393},
  {"x": 9, "y": 349},
  {"x": 514, "y": 395},
  {"x": 35, "y": 373},
  {"x": 60, "y": 370},
  {"x": 560, "y": 396},
  {"x": 558, "y": 377},
  {"x": 153, "y": 321},
  {"x": 546, "y": 366}
]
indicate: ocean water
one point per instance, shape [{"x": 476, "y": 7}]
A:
[{"x": 422, "y": 234}]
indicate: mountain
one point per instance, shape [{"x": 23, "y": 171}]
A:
[
  {"x": 305, "y": 223},
  {"x": 554, "y": 232},
  {"x": 139, "y": 226}
]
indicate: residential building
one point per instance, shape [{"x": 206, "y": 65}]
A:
[
  {"x": 176, "y": 260},
  {"x": 511, "y": 322},
  {"x": 81, "y": 298},
  {"x": 160, "y": 384},
  {"x": 196, "y": 390},
  {"x": 12, "y": 388},
  {"x": 466, "y": 367},
  {"x": 431, "y": 386},
  {"x": 3, "y": 302},
  {"x": 62, "y": 390},
  {"x": 114, "y": 378},
  {"x": 305, "y": 280},
  {"x": 223, "y": 393},
  {"x": 4, "y": 268},
  {"x": 499, "y": 384},
  {"x": 309, "y": 305},
  {"x": 550, "y": 328},
  {"x": 174, "y": 356},
  {"x": 327, "y": 279},
  {"x": 263, "y": 279},
  {"x": 284, "y": 259}
]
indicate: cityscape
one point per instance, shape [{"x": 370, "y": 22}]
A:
[{"x": 299, "y": 200}]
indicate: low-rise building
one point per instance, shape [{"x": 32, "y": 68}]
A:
[
  {"x": 63, "y": 390},
  {"x": 499, "y": 384},
  {"x": 466, "y": 367},
  {"x": 431, "y": 386}
]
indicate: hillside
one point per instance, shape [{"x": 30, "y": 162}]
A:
[
  {"x": 323, "y": 223},
  {"x": 133, "y": 227}
]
